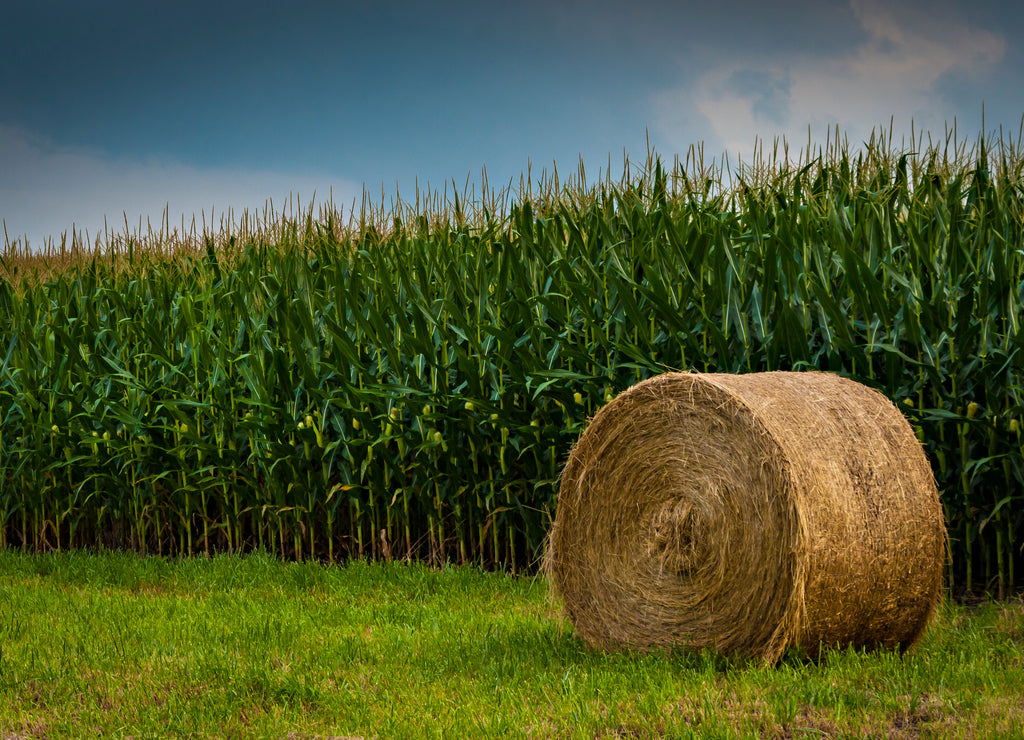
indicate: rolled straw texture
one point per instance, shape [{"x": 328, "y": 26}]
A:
[{"x": 748, "y": 514}]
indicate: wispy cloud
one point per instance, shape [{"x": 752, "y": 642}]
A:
[
  {"x": 895, "y": 72},
  {"x": 47, "y": 189}
]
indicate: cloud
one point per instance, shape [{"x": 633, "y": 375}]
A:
[
  {"x": 768, "y": 92},
  {"x": 894, "y": 71},
  {"x": 47, "y": 189}
]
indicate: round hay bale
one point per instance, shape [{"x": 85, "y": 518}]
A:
[{"x": 748, "y": 514}]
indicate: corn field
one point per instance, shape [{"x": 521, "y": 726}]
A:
[{"x": 408, "y": 384}]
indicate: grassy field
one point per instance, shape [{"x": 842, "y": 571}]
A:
[{"x": 124, "y": 646}]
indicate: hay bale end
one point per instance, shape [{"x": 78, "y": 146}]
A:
[{"x": 748, "y": 514}]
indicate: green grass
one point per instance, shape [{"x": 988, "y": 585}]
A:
[{"x": 119, "y": 646}]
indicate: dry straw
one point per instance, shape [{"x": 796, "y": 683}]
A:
[{"x": 748, "y": 514}]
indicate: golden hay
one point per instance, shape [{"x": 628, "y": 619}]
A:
[{"x": 748, "y": 514}]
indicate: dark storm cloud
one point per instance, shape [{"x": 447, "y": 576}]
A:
[{"x": 316, "y": 92}]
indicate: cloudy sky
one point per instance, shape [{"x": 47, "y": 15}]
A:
[{"x": 121, "y": 109}]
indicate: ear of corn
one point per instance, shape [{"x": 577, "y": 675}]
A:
[{"x": 409, "y": 385}]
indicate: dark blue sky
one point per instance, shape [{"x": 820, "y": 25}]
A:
[{"x": 128, "y": 106}]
